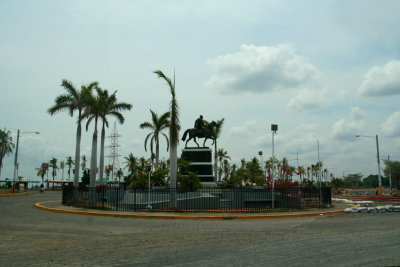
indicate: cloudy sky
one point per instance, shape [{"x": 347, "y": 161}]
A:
[{"x": 322, "y": 70}]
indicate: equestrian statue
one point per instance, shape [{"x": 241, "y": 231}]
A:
[{"x": 200, "y": 130}]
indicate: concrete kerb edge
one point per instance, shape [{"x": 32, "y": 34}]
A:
[
  {"x": 16, "y": 194},
  {"x": 183, "y": 217}
]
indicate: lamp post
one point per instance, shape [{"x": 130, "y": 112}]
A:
[
  {"x": 260, "y": 153},
  {"x": 378, "y": 159},
  {"x": 274, "y": 129},
  {"x": 16, "y": 158},
  {"x": 148, "y": 195}
]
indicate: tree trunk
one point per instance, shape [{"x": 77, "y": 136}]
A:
[
  {"x": 101, "y": 167},
  {"x": 93, "y": 167},
  {"x": 215, "y": 162},
  {"x": 157, "y": 153},
  {"x": 93, "y": 161},
  {"x": 172, "y": 172},
  {"x": 77, "y": 155}
]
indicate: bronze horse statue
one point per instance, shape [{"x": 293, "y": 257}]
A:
[{"x": 206, "y": 133}]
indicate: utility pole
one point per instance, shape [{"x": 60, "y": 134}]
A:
[{"x": 274, "y": 129}]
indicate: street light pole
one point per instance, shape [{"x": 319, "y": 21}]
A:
[
  {"x": 379, "y": 161},
  {"x": 16, "y": 158},
  {"x": 262, "y": 162},
  {"x": 379, "y": 166},
  {"x": 148, "y": 195},
  {"x": 16, "y": 162},
  {"x": 274, "y": 128}
]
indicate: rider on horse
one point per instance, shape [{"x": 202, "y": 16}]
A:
[
  {"x": 200, "y": 130},
  {"x": 199, "y": 123}
]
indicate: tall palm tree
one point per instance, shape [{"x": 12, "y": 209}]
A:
[
  {"x": 222, "y": 154},
  {"x": 216, "y": 133},
  {"x": 6, "y": 145},
  {"x": 110, "y": 107},
  {"x": 157, "y": 125},
  {"x": 69, "y": 163},
  {"x": 72, "y": 101},
  {"x": 174, "y": 128},
  {"x": 53, "y": 165},
  {"x": 93, "y": 110}
]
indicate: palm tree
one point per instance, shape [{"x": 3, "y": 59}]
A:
[
  {"x": 62, "y": 166},
  {"x": 84, "y": 160},
  {"x": 69, "y": 163},
  {"x": 6, "y": 145},
  {"x": 174, "y": 128},
  {"x": 108, "y": 172},
  {"x": 110, "y": 107},
  {"x": 41, "y": 171},
  {"x": 72, "y": 101},
  {"x": 242, "y": 163},
  {"x": 131, "y": 163},
  {"x": 53, "y": 165},
  {"x": 93, "y": 110},
  {"x": 216, "y": 133},
  {"x": 226, "y": 169},
  {"x": 302, "y": 172},
  {"x": 308, "y": 172},
  {"x": 157, "y": 125},
  {"x": 222, "y": 154},
  {"x": 119, "y": 174}
]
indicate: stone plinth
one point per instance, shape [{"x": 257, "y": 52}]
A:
[{"x": 200, "y": 163}]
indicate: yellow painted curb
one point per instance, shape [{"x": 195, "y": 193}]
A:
[
  {"x": 15, "y": 194},
  {"x": 208, "y": 217}
]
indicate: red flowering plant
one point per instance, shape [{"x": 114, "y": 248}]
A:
[{"x": 280, "y": 183}]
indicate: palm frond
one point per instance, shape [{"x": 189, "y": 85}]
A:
[
  {"x": 166, "y": 137},
  {"x": 145, "y": 141},
  {"x": 70, "y": 88},
  {"x": 146, "y": 125},
  {"x": 119, "y": 116},
  {"x": 151, "y": 144}
]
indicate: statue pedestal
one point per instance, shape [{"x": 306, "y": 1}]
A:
[{"x": 200, "y": 163}]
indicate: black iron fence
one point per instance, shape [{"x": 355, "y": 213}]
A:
[{"x": 210, "y": 200}]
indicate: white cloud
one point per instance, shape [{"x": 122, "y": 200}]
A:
[
  {"x": 346, "y": 129},
  {"x": 382, "y": 80},
  {"x": 260, "y": 69},
  {"x": 261, "y": 141},
  {"x": 243, "y": 130},
  {"x": 302, "y": 139},
  {"x": 307, "y": 99},
  {"x": 391, "y": 126}
]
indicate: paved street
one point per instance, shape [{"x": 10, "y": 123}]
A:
[{"x": 30, "y": 236}]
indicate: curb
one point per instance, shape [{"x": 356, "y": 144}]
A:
[
  {"x": 41, "y": 205},
  {"x": 15, "y": 194}
]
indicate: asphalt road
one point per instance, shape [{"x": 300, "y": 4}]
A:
[{"x": 34, "y": 237}]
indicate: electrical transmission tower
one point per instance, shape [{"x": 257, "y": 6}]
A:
[{"x": 113, "y": 156}]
